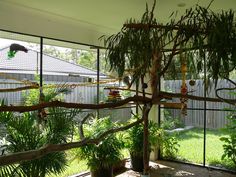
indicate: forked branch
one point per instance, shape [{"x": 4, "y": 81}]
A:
[{"x": 38, "y": 153}]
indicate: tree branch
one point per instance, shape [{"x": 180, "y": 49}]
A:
[
  {"x": 36, "y": 154},
  {"x": 81, "y": 131},
  {"x": 73, "y": 105},
  {"x": 168, "y": 95},
  {"x": 232, "y": 102},
  {"x": 19, "y": 88}
]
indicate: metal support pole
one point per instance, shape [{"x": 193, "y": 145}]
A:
[
  {"x": 204, "y": 141},
  {"x": 41, "y": 66},
  {"x": 159, "y": 121},
  {"x": 98, "y": 78}
]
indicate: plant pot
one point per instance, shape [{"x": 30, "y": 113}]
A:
[
  {"x": 119, "y": 166},
  {"x": 137, "y": 162},
  {"x": 102, "y": 172}
]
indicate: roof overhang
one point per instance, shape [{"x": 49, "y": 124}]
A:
[{"x": 85, "y": 21}]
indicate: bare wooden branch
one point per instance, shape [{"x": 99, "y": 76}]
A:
[
  {"x": 119, "y": 88},
  {"x": 137, "y": 99},
  {"x": 168, "y": 95},
  {"x": 232, "y": 102},
  {"x": 81, "y": 131},
  {"x": 19, "y": 88},
  {"x": 73, "y": 105},
  {"x": 36, "y": 154},
  {"x": 192, "y": 97}
]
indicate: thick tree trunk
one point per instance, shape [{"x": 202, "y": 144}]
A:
[
  {"x": 146, "y": 110},
  {"x": 155, "y": 75}
]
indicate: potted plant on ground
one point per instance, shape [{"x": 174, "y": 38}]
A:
[
  {"x": 134, "y": 143},
  {"x": 102, "y": 156}
]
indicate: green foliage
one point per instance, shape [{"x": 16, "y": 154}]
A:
[
  {"x": 134, "y": 137},
  {"x": 230, "y": 141},
  {"x": 210, "y": 36},
  {"x": 158, "y": 138},
  {"x": 168, "y": 144},
  {"x": 107, "y": 152},
  {"x": 88, "y": 59},
  {"x": 126, "y": 93},
  {"x": 22, "y": 135},
  {"x": 24, "y": 132},
  {"x": 170, "y": 122},
  {"x": 50, "y": 94}
]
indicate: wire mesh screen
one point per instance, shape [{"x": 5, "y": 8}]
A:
[{"x": 19, "y": 63}]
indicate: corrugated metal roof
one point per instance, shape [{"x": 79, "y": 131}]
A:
[{"x": 25, "y": 62}]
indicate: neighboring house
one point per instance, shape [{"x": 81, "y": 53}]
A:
[{"x": 24, "y": 66}]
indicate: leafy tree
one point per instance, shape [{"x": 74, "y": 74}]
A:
[
  {"x": 87, "y": 59},
  {"x": 147, "y": 48}
]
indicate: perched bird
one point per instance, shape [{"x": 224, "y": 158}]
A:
[
  {"x": 18, "y": 47},
  {"x": 127, "y": 81},
  {"x": 15, "y": 48}
]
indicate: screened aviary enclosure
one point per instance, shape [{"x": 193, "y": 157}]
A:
[{"x": 165, "y": 89}]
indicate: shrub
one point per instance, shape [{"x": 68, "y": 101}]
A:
[
  {"x": 107, "y": 152},
  {"x": 230, "y": 141}
]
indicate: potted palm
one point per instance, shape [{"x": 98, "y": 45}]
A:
[
  {"x": 134, "y": 143},
  {"x": 103, "y": 156},
  {"x": 25, "y": 132}
]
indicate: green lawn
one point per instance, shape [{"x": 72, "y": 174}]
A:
[
  {"x": 191, "y": 150},
  {"x": 191, "y": 147},
  {"x": 76, "y": 166},
  {"x": 73, "y": 168}
]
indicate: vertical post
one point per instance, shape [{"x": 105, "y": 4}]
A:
[
  {"x": 136, "y": 92},
  {"x": 98, "y": 78},
  {"x": 204, "y": 141},
  {"x": 37, "y": 69},
  {"x": 41, "y": 67},
  {"x": 159, "y": 121}
]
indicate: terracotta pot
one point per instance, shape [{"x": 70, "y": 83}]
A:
[{"x": 102, "y": 172}]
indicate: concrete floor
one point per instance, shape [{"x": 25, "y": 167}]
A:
[{"x": 172, "y": 169}]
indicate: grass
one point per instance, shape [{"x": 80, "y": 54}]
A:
[
  {"x": 191, "y": 147},
  {"x": 191, "y": 150},
  {"x": 74, "y": 167}
]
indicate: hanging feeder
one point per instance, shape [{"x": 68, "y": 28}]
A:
[{"x": 184, "y": 88}]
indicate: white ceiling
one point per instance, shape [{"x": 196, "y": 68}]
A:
[{"x": 85, "y": 21}]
